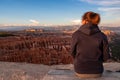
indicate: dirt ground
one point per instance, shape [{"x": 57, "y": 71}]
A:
[{"x": 25, "y": 71}]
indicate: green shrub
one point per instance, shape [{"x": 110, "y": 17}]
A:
[{"x": 5, "y": 34}]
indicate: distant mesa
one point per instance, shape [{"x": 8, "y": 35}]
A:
[
  {"x": 70, "y": 31},
  {"x": 34, "y": 30},
  {"x": 106, "y": 32},
  {"x": 30, "y": 30}
]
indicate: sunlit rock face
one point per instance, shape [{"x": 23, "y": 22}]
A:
[{"x": 109, "y": 34}]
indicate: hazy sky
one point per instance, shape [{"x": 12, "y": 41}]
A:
[{"x": 48, "y": 12}]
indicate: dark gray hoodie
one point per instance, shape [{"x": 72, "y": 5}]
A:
[{"x": 89, "y": 49}]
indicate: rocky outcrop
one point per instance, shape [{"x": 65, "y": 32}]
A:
[
  {"x": 47, "y": 48},
  {"x": 110, "y": 34},
  {"x": 43, "y": 50}
]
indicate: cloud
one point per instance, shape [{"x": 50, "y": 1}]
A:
[
  {"x": 107, "y": 6},
  {"x": 104, "y": 2},
  {"x": 77, "y": 21},
  {"x": 109, "y": 9},
  {"x": 34, "y": 21}
]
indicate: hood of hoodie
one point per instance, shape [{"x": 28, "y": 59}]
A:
[{"x": 89, "y": 29}]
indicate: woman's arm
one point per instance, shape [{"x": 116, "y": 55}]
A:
[
  {"x": 73, "y": 44},
  {"x": 106, "y": 51}
]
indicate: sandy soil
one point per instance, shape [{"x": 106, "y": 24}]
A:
[{"x": 25, "y": 71}]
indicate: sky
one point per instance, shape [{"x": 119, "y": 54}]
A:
[{"x": 57, "y": 12}]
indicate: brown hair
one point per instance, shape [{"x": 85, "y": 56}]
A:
[{"x": 92, "y": 17}]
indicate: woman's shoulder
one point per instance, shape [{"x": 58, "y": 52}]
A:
[{"x": 76, "y": 33}]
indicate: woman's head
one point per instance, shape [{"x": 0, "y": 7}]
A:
[{"x": 91, "y": 17}]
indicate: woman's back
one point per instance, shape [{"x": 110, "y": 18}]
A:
[
  {"x": 89, "y": 46},
  {"x": 89, "y": 49}
]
